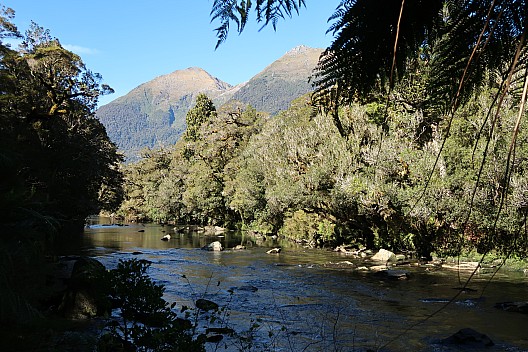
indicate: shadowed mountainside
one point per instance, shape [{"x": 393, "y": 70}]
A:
[{"x": 153, "y": 114}]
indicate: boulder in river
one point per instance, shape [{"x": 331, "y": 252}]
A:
[
  {"x": 166, "y": 238},
  {"x": 469, "y": 266},
  {"x": 377, "y": 268},
  {"x": 85, "y": 296},
  {"x": 205, "y": 304},
  {"x": 469, "y": 338},
  {"x": 274, "y": 251},
  {"x": 384, "y": 256},
  {"x": 351, "y": 250},
  {"x": 239, "y": 247},
  {"x": 214, "y": 230},
  {"x": 519, "y": 307},
  {"x": 215, "y": 246},
  {"x": 397, "y": 274}
]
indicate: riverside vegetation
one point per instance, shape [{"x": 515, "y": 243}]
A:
[
  {"x": 416, "y": 146},
  {"x": 295, "y": 175},
  {"x": 380, "y": 163},
  {"x": 58, "y": 166}
]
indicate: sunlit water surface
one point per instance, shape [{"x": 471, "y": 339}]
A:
[{"x": 302, "y": 300}]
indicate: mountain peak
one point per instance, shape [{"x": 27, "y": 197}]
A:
[
  {"x": 287, "y": 78},
  {"x": 195, "y": 69},
  {"x": 300, "y": 49}
]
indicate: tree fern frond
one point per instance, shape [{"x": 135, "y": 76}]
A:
[
  {"x": 221, "y": 33},
  {"x": 464, "y": 40},
  {"x": 478, "y": 37},
  {"x": 274, "y": 10},
  {"x": 225, "y": 11},
  {"x": 267, "y": 11},
  {"x": 364, "y": 38},
  {"x": 243, "y": 11},
  {"x": 339, "y": 14}
]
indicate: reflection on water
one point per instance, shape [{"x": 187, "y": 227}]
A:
[
  {"x": 103, "y": 234},
  {"x": 302, "y": 304}
]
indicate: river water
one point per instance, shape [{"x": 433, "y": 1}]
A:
[{"x": 316, "y": 300}]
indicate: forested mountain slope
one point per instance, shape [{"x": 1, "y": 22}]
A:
[{"x": 153, "y": 114}]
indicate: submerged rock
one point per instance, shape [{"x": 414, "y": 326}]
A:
[
  {"x": 397, "y": 274},
  {"x": 214, "y": 338},
  {"x": 469, "y": 338},
  {"x": 205, "y": 304},
  {"x": 470, "y": 302},
  {"x": 519, "y": 307},
  {"x": 248, "y": 288},
  {"x": 340, "y": 265},
  {"x": 224, "y": 331}
]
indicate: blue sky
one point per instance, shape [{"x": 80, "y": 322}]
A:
[{"x": 131, "y": 42}]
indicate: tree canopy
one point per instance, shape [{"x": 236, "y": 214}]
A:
[{"x": 58, "y": 165}]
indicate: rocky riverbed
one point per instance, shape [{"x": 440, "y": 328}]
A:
[{"x": 313, "y": 300}]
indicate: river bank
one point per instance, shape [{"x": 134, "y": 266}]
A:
[
  {"x": 319, "y": 297},
  {"x": 304, "y": 299}
]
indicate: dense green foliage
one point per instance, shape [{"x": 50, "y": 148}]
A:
[
  {"x": 58, "y": 165},
  {"x": 187, "y": 182},
  {"x": 295, "y": 175},
  {"x": 442, "y": 80},
  {"x": 145, "y": 322}
]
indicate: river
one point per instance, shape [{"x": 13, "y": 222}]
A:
[{"x": 316, "y": 300}]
